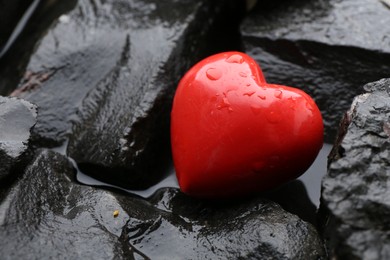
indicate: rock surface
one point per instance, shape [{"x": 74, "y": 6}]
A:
[
  {"x": 327, "y": 48},
  {"x": 10, "y": 14},
  {"x": 17, "y": 117},
  {"x": 355, "y": 203},
  {"x": 104, "y": 77},
  {"x": 250, "y": 229},
  {"x": 36, "y": 17},
  {"x": 48, "y": 215}
]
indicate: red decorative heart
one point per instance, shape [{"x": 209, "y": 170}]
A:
[{"x": 233, "y": 134}]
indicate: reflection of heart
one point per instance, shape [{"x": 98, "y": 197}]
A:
[{"x": 233, "y": 134}]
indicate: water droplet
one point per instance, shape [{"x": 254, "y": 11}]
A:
[
  {"x": 278, "y": 93},
  {"x": 224, "y": 104},
  {"x": 214, "y": 74},
  {"x": 258, "y": 166},
  {"x": 309, "y": 106},
  {"x": 256, "y": 110},
  {"x": 250, "y": 93},
  {"x": 262, "y": 96},
  {"x": 293, "y": 102},
  {"x": 253, "y": 77},
  {"x": 273, "y": 117},
  {"x": 248, "y": 84},
  {"x": 243, "y": 74},
  {"x": 235, "y": 58}
]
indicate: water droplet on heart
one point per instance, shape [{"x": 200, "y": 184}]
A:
[
  {"x": 293, "y": 102},
  {"x": 213, "y": 74},
  {"x": 273, "y": 117},
  {"x": 258, "y": 166},
  {"x": 224, "y": 104},
  {"x": 243, "y": 74},
  {"x": 253, "y": 77},
  {"x": 250, "y": 93},
  {"x": 248, "y": 84},
  {"x": 278, "y": 93},
  {"x": 256, "y": 110},
  {"x": 235, "y": 58},
  {"x": 262, "y": 96},
  {"x": 309, "y": 106}
]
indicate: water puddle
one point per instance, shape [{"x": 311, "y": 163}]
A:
[
  {"x": 169, "y": 182},
  {"x": 311, "y": 179},
  {"x": 313, "y": 176}
]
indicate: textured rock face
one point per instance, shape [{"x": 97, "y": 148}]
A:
[
  {"x": 327, "y": 48},
  {"x": 33, "y": 18},
  {"x": 17, "y": 117},
  {"x": 251, "y": 229},
  {"x": 355, "y": 206},
  {"x": 108, "y": 84},
  {"x": 48, "y": 215}
]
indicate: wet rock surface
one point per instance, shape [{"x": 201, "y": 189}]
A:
[
  {"x": 355, "y": 206},
  {"x": 21, "y": 36},
  {"x": 17, "y": 117},
  {"x": 10, "y": 14},
  {"x": 327, "y": 48},
  {"x": 251, "y": 229},
  {"x": 48, "y": 215},
  {"x": 108, "y": 85}
]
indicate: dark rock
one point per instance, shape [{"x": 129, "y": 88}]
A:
[
  {"x": 186, "y": 228},
  {"x": 355, "y": 203},
  {"x": 10, "y": 14},
  {"x": 17, "y": 117},
  {"x": 33, "y": 18},
  {"x": 105, "y": 74},
  {"x": 327, "y": 48},
  {"x": 47, "y": 215}
]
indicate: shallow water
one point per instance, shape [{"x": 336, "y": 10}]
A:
[
  {"x": 311, "y": 179},
  {"x": 313, "y": 176}
]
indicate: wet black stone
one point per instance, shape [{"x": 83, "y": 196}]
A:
[
  {"x": 187, "y": 228},
  {"x": 106, "y": 76},
  {"x": 10, "y": 14},
  {"x": 46, "y": 214},
  {"x": 355, "y": 202},
  {"x": 17, "y": 117},
  {"x": 33, "y": 19},
  {"x": 330, "y": 49}
]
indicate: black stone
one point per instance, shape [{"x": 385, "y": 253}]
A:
[
  {"x": 355, "y": 202},
  {"x": 186, "y": 228},
  {"x": 106, "y": 76},
  {"x": 17, "y": 117},
  {"x": 47, "y": 215},
  {"x": 22, "y": 24},
  {"x": 10, "y": 14},
  {"x": 327, "y": 48}
]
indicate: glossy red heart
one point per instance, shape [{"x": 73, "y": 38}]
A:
[{"x": 233, "y": 134}]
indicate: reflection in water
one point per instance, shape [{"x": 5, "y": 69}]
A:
[
  {"x": 311, "y": 179},
  {"x": 313, "y": 176},
  {"x": 169, "y": 182}
]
